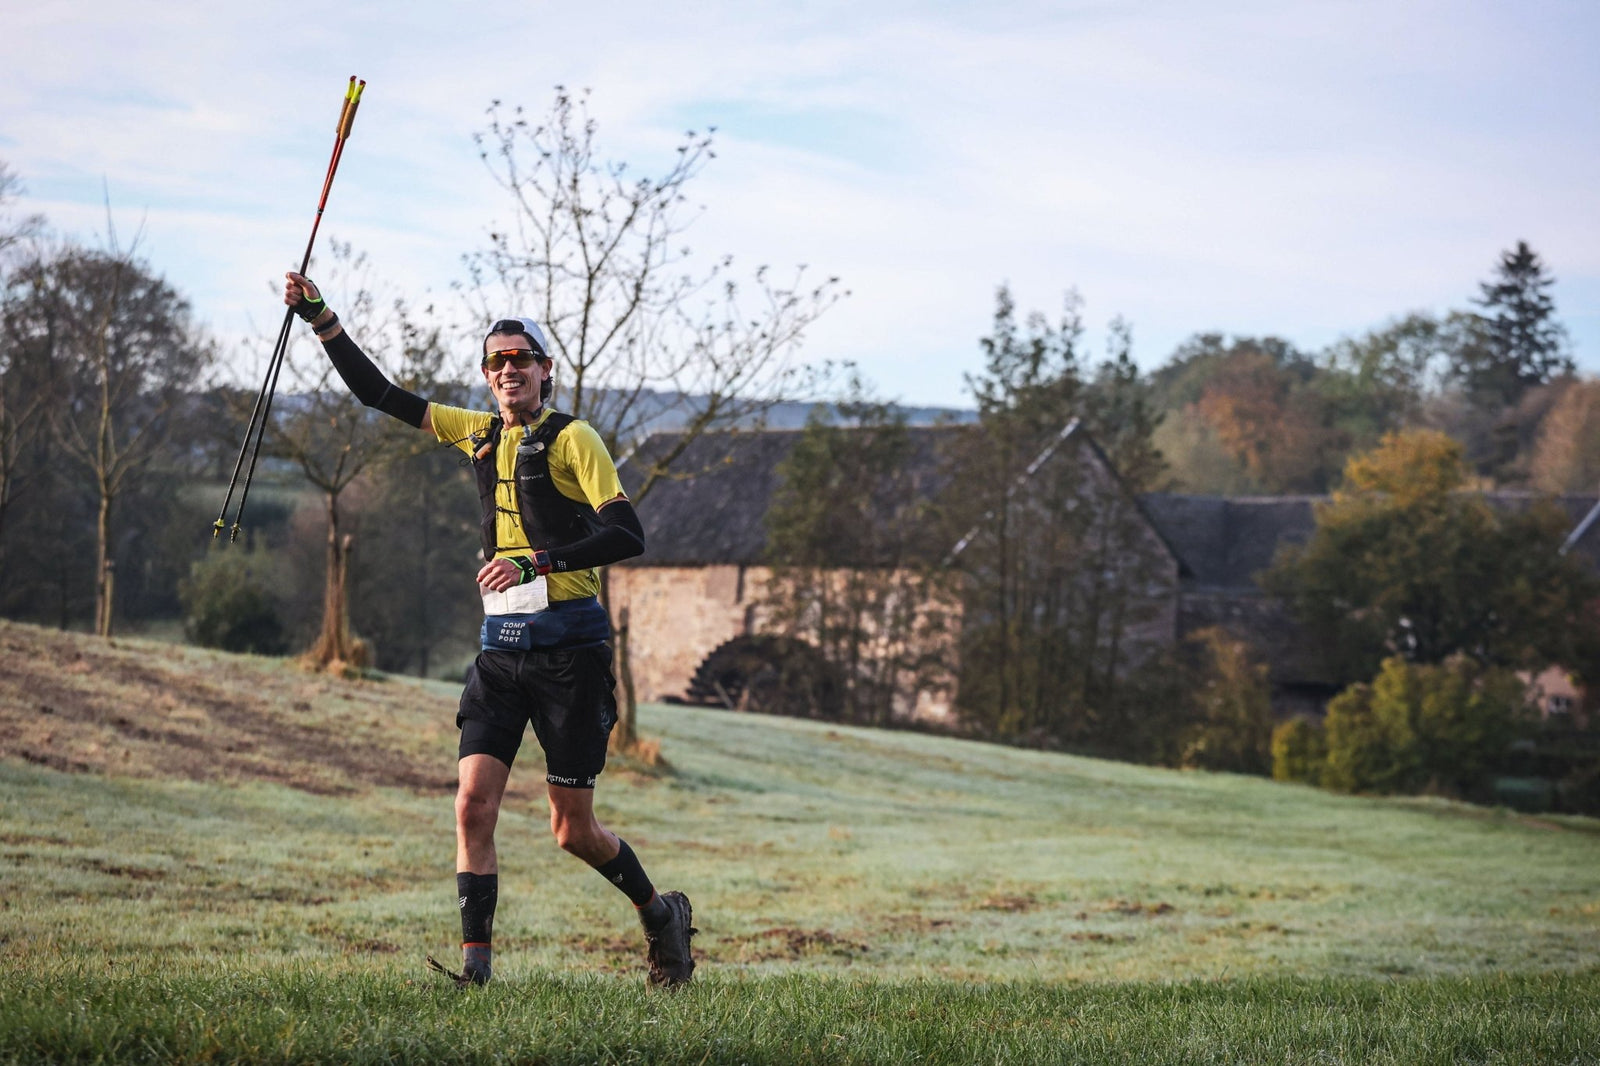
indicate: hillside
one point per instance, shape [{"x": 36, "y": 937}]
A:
[{"x": 173, "y": 803}]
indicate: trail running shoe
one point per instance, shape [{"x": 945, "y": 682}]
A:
[
  {"x": 671, "y": 963},
  {"x": 468, "y": 976}
]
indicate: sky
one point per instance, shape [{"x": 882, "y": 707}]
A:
[{"x": 1308, "y": 169}]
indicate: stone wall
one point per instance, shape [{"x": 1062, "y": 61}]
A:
[{"x": 677, "y": 615}]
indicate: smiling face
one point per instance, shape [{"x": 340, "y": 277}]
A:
[{"x": 516, "y": 389}]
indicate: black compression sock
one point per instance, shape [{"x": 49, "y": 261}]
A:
[
  {"x": 476, "y": 895},
  {"x": 625, "y": 872}
]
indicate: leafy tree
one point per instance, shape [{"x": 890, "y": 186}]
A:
[
  {"x": 1256, "y": 400},
  {"x": 1233, "y": 708},
  {"x": 1566, "y": 455},
  {"x": 1517, "y": 342},
  {"x": 1380, "y": 382},
  {"x": 1418, "y": 726},
  {"x": 27, "y": 371},
  {"x": 855, "y": 571},
  {"x": 1404, "y": 562},
  {"x": 1063, "y": 572},
  {"x": 1360, "y": 746},
  {"x": 1120, "y": 407}
]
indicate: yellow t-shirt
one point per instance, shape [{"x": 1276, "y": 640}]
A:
[{"x": 580, "y": 468}]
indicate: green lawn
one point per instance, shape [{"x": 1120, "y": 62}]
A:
[{"x": 861, "y": 895}]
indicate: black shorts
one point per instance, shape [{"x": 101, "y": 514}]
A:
[{"x": 567, "y": 695}]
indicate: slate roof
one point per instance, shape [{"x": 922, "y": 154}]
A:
[
  {"x": 711, "y": 508},
  {"x": 1224, "y": 541}
]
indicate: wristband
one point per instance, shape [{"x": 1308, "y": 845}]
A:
[
  {"x": 325, "y": 330},
  {"x": 525, "y": 567},
  {"x": 309, "y": 309}
]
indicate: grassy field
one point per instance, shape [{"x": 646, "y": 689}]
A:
[{"x": 217, "y": 858}]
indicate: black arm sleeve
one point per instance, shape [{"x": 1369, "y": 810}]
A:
[
  {"x": 367, "y": 383},
  {"x": 619, "y": 537}
]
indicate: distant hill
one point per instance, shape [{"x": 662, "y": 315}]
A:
[{"x": 665, "y": 414}]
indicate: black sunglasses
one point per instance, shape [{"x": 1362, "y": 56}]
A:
[{"x": 521, "y": 358}]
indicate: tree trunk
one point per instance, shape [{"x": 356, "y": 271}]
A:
[
  {"x": 625, "y": 736},
  {"x": 334, "y": 647},
  {"x": 102, "y": 569}
]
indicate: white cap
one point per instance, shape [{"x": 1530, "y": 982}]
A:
[{"x": 525, "y": 326}]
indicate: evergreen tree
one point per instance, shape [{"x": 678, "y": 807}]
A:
[{"x": 1517, "y": 342}]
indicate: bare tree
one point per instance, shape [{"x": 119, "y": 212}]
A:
[
  {"x": 119, "y": 353},
  {"x": 15, "y": 226},
  {"x": 334, "y": 441},
  {"x": 23, "y": 395},
  {"x": 637, "y": 326}
]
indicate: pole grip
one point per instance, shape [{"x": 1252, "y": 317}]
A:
[
  {"x": 344, "y": 109},
  {"x": 352, "y": 101}
]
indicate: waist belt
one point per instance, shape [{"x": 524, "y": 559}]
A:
[{"x": 564, "y": 624}]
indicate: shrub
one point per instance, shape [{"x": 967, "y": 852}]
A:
[
  {"x": 1233, "y": 708},
  {"x": 1358, "y": 751},
  {"x": 1419, "y": 726},
  {"x": 1299, "y": 751},
  {"x": 226, "y": 605}
]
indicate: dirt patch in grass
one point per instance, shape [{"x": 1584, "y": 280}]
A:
[
  {"x": 1134, "y": 908},
  {"x": 913, "y": 923},
  {"x": 1010, "y": 903},
  {"x": 351, "y": 944},
  {"x": 80, "y": 704},
  {"x": 132, "y": 873},
  {"x": 786, "y": 943}
]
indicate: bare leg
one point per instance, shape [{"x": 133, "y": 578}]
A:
[
  {"x": 483, "y": 784},
  {"x": 575, "y": 827}
]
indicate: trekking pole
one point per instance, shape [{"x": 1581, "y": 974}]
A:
[{"x": 256, "y": 428}]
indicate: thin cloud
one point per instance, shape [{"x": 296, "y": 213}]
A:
[{"x": 1299, "y": 169}]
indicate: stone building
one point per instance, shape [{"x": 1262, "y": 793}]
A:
[
  {"x": 700, "y": 584},
  {"x": 699, "y": 587}
]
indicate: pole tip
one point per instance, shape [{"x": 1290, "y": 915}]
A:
[{"x": 234, "y": 534}]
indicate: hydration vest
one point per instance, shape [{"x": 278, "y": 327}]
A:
[{"x": 549, "y": 519}]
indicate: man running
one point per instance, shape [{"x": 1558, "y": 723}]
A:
[{"x": 553, "y": 511}]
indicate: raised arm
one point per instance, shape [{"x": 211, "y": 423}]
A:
[{"x": 364, "y": 380}]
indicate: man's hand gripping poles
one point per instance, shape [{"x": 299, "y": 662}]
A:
[{"x": 257, "y": 427}]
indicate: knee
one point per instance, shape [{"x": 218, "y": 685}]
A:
[
  {"x": 574, "y": 835},
  {"x": 476, "y": 810}
]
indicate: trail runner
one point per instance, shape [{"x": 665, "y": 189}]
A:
[{"x": 553, "y": 511}]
